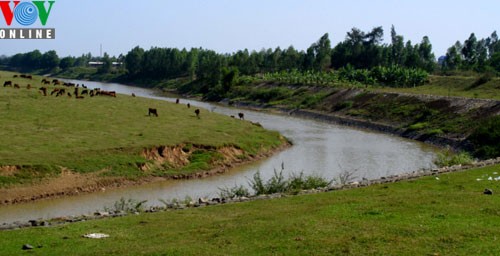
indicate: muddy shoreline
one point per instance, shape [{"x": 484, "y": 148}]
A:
[{"x": 84, "y": 184}]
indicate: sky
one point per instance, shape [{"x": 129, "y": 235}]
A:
[{"x": 227, "y": 26}]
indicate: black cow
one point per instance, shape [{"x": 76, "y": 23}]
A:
[
  {"x": 7, "y": 83},
  {"x": 197, "y": 112},
  {"x": 152, "y": 111},
  {"x": 241, "y": 116}
]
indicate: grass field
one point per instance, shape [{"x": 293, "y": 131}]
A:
[
  {"x": 448, "y": 215},
  {"x": 42, "y": 134}
]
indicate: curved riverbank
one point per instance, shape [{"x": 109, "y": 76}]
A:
[
  {"x": 435, "y": 120},
  {"x": 72, "y": 184}
]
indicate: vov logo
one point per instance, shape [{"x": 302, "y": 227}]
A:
[{"x": 26, "y": 13}]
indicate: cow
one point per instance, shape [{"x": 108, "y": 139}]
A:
[
  {"x": 15, "y": 76},
  {"x": 85, "y": 92},
  {"x": 197, "y": 112},
  {"x": 177, "y": 101},
  {"x": 43, "y": 90},
  {"x": 69, "y": 95},
  {"x": 108, "y": 93},
  {"x": 54, "y": 91},
  {"x": 241, "y": 116},
  {"x": 189, "y": 105},
  {"x": 55, "y": 81},
  {"x": 17, "y": 86},
  {"x": 61, "y": 92},
  {"x": 7, "y": 83},
  {"x": 133, "y": 94},
  {"x": 29, "y": 77},
  {"x": 152, "y": 111}
]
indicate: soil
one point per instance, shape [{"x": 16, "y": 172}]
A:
[{"x": 69, "y": 183}]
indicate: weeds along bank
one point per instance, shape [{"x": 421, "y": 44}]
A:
[{"x": 72, "y": 142}]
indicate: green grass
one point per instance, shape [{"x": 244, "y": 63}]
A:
[
  {"x": 428, "y": 216},
  {"x": 456, "y": 86},
  {"x": 108, "y": 133}
]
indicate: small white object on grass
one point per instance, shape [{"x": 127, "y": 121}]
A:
[{"x": 96, "y": 235}]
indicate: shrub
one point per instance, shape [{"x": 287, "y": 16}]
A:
[
  {"x": 450, "y": 158},
  {"x": 129, "y": 206},
  {"x": 236, "y": 191},
  {"x": 278, "y": 183}
]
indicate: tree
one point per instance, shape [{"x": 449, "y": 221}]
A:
[
  {"x": 493, "y": 44},
  {"x": 494, "y": 61},
  {"x": 427, "y": 58},
  {"x": 397, "y": 53},
  {"x": 453, "y": 58},
  {"x": 133, "y": 61},
  {"x": 322, "y": 53},
  {"x": 31, "y": 60},
  {"x": 49, "y": 60},
  {"x": 67, "y": 62},
  {"x": 469, "y": 51}
]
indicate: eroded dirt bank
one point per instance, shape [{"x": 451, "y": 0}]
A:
[{"x": 163, "y": 162}]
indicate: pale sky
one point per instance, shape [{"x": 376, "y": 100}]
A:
[{"x": 230, "y": 25}]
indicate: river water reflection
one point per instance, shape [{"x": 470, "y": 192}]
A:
[{"x": 319, "y": 148}]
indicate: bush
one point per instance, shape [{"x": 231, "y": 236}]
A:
[
  {"x": 236, "y": 191},
  {"x": 278, "y": 183},
  {"x": 450, "y": 158}
]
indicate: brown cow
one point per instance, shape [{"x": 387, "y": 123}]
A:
[
  {"x": 43, "y": 90},
  {"x": 197, "y": 112},
  {"x": 152, "y": 111},
  {"x": 241, "y": 116},
  {"x": 28, "y": 86},
  {"x": 17, "y": 86},
  {"x": 7, "y": 83},
  {"x": 133, "y": 94}
]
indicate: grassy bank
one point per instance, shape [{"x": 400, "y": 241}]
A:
[
  {"x": 113, "y": 136},
  {"x": 447, "y": 215}
]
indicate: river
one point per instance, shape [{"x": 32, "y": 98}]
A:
[{"x": 319, "y": 148}]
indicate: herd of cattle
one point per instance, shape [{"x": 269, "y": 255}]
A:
[{"x": 60, "y": 88}]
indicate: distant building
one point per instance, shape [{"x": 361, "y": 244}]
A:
[{"x": 100, "y": 63}]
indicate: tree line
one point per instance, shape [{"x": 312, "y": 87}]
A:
[{"x": 359, "y": 50}]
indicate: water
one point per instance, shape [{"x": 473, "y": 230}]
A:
[{"x": 319, "y": 148}]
